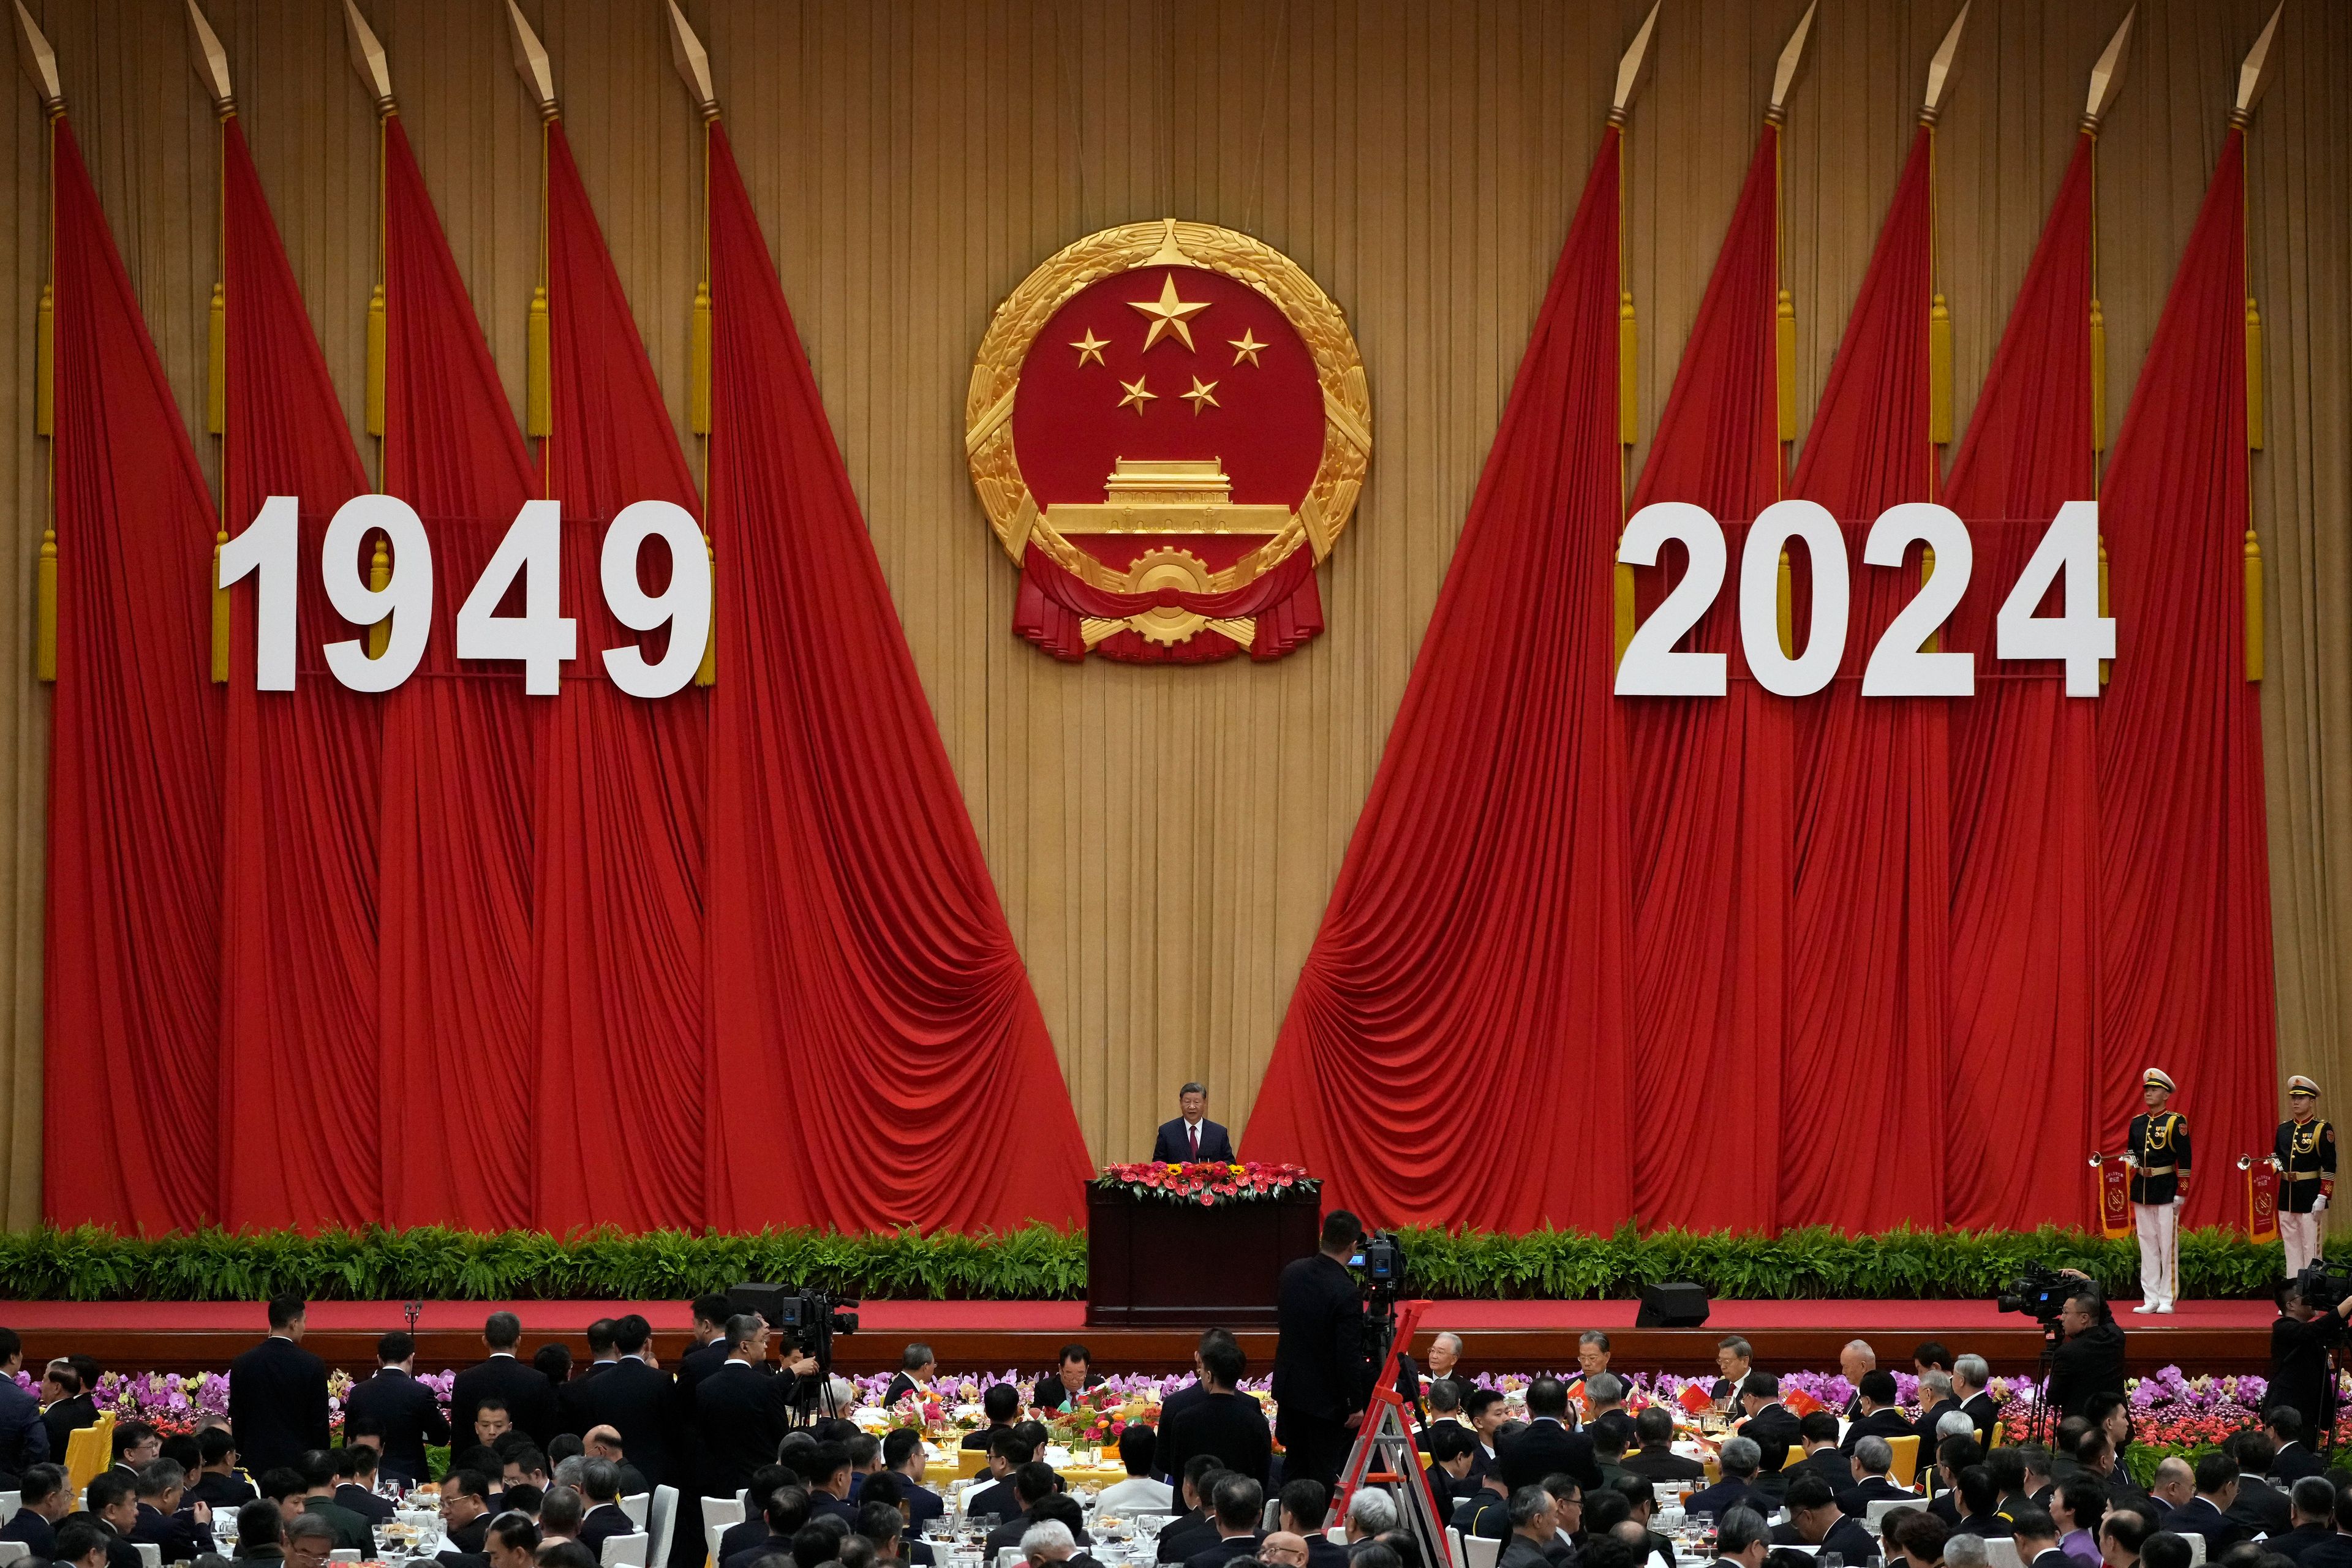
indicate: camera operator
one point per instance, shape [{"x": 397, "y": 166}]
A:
[
  {"x": 2089, "y": 1357},
  {"x": 2301, "y": 1339},
  {"x": 1322, "y": 1371}
]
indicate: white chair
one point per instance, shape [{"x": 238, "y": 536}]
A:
[
  {"x": 150, "y": 1554},
  {"x": 625, "y": 1549},
  {"x": 12, "y": 1552},
  {"x": 2196, "y": 1550},
  {"x": 1337, "y": 1535},
  {"x": 710, "y": 1535},
  {"x": 1881, "y": 1507},
  {"x": 343, "y": 1554},
  {"x": 722, "y": 1510},
  {"x": 1480, "y": 1551},
  {"x": 2000, "y": 1552},
  {"x": 662, "y": 1523},
  {"x": 633, "y": 1505},
  {"x": 9, "y": 1503},
  {"x": 1454, "y": 1547}
]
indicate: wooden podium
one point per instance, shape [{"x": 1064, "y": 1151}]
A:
[{"x": 1155, "y": 1264}]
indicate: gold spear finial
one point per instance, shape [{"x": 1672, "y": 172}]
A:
[
  {"x": 1634, "y": 69},
  {"x": 693, "y": 63},
  {"x": 1784, "y": 75},
  {"x": 211, "y": 61},
  {"x": 2254, "y": 76},
  {"x": 531, "y": 63},
  {"x": 1942, "y": 68},
  {"x": 40, "y": 62},
  {"x": 368, "y": 57},
  {"x": 2107, "y": 76}
]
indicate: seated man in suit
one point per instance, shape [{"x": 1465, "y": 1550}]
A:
[
  {"x": 600, "y": 1486},
  {"x": 1980, "y": 1513},
  {"x": 1451, "y": 1479},
  {"x": 904, "y": 1456},
  {"x": 82, "y": 1543},
  {"x": 1533, "y": 1526},
  {"x": 1815, "y": 1519},
  {"x": 321, "y": 1476},
  {"x": 1882, "y": 1415},
  {"x": 1192, "y": 1138},
  {"x": 2283, "y": 1424},
  {"x": 464, "y": 1510},
  {"x": 1484, "y": 1512},
  {"x": 2036, "y": 1538},
  {"x": 1655, "y": 1460},
  {"x": 1033, "y": 1483},
  {"x": 1773, "y": 1425},
  {"x": 1872, "y": 1458},
  {"x": 1737, "y": 1462},
  {"x": 1006, "y": 1454},
  {"x": 356, "y": 1487},
  {"x": 114, "y": 1503},
  {"x": 2313, "y": 1499},
  {"x": 2260, "y": 1507},
  {"x": 779, "y": 1520},
  {"x": 1818, "y": 1433},
  {"x": 1735, "y": 1358},
  {"x": 1955, "y": 1454},
  {"x": 917, "y": 1367},
  {"x": 1548, "y": 1446},
  {"x": 179, "y": 1537},
  {"x": 1304, "y": 1504},
  {"x": 1611, "y": 1435},
  {"x": 1238, "y": 1504},
  {"x": 217, "y": 1482},
  {"x": 2207, "y": 1512},
  {"x": 1001, "y": 1405},
  {"x": 1062, "y": 1388},
  {"x": 44, "y": 1497},
  {"x": 1969, "y": 1376},
  {"x": 1198, "y": 1526}
]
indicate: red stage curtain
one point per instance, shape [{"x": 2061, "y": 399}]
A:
[
  {"x": 1870, "y": 942},
  {"x": 1474, "y": 953},
  {"x": 1709, "y": 798},
  {"x": 2184, "y": 877},
  {"x": 455, "y": 896},
  {"x": 2024, "y": 835},
  {"x": 131, "y": 1008},
  {"x": 878, "y": 1058},
  {"x": 301, "y": 780},
  {"x": 617, "y": 1136}
]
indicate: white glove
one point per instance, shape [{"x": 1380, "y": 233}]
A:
[
  {"x": 2319, "y": 1203},
  {"x": 2178, "y": 1201}
]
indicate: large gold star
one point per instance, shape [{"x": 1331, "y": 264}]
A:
[
  {"x": 1169, "y": 314},
  {"x": 1136, "y": 395},
  {"x": 1245, "y": 347},
  {"x": 1090, "y": 347},
  {"x": 1201, "y": 397}
]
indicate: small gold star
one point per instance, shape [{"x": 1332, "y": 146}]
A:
[
  {"x": 1245, "y": 347},
  {"x": 1169, "y": 314},
  {"x": 1136, "y": 395},
  {"x": 1090, "y": 347},
  {"x": 1203, "y": 397}
]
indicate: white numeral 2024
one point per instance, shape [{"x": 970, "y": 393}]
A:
[
  {"x": 539, "y": 639},
  {"x": 2079, "y": 637}
]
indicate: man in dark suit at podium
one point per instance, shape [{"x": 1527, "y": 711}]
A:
[{"x": 1192, "y": 1137}]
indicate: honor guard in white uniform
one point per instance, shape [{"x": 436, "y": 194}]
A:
[
  {"x": 2157, "y": 1153},
  {"x": 2304, "y": 1153}
]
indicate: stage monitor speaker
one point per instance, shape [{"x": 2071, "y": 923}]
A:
[
  {"x": 767, "y": 1300},
  {"x": 1674, "y": 1304}
]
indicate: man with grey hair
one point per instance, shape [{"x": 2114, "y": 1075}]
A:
[
  {"x": 180, "y": 1536},
  {"x": 1592, "y": 1353},
  {"x": 1604, "y": 1394},
  {"x": 1444, "y": 1354},
  {"x": 1533, "y": 1523},
  {"x": 600, "y": 1483},
  {"x": 1738, "y": 1461},
  {"x": 1955, "y": 1424},
  {"x": 1734, "y": 1359},
  {"x": 1370, "y": 1513},
  {"x": 1964, "y": 1551},
  {"x": 1936, "y": 1402},
  {"x": 1856, "y": 1359},
  {"x": 1192, "y": 1139},
  {"x": 1969, "y": 1376},
  {"x": 560, "y": 1512},
  {"x": 1741, "y": 1536},
  {"x": 1047, "y": 1541},
  {"x": 1872, "y": 1458},
  {"x": 309, "y": 1540}
]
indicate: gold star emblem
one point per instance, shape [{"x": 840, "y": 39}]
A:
[
  {"x": 1169, "y": 314},
  {"x": 1245, "y": 347},
  {"x": 1090, "y": 347},
  {"x": 1136, "y": 395},
  {"x": 1203, "y": 397}
]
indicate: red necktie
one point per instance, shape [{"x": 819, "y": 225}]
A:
[{"x": 1196, "y": 1139}]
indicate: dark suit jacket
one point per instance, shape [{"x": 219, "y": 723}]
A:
[
  {"x": 1856, "y": 1499},
  {"x": 603, "y": 1522},
  {"x": 2295, "y": 1542},
  {"x": 1662, "y": 1464},
  {"x": 69, "y": 1415},
  {"x": 119, "y": 1553},
  {"x": 1174, "y": 1146},
  {"x": 1322, "y": 1368},
  {"x": 24, "y": 1438},
  {"x": 230, "y": 1491},
  {"x": 1183, "y": 1537},
  {"x": 366, "y": 1504},
  {"x": 2262, "y": 1507},
  {"x": 780, "y": 1544},
  {"x": 1010, "y": 1532},
  {"x": 2295, "y": 1461},
  {"x": 1775, "y": 1431},
  {"x": 1924, "y": 1427},
  {"x": 1723, "y": 1497},
  {"x": 740, "y": 1538},
  {"x": 177, "y": 1535},
  {"x": 1519, "y": 1551},
  {"x": 2091, "y": 1362},
  {"x": 471, "y": 1537},
  {"x": 1547, "y": 1448},
  {"x": 638, "y": 1402},
  {"x": 410, "y": 1416},
  {"x": 998, "y": 1497},
  {"x": 2198, "y": 1516},
  {"x": 923, "y": 1504},
  {"x": 1322, "y": 1552},
  {"x": 1219, "y": 1553},
  {"x": 1829, "y": 1465},
  {"x": 277, "y": 1403},
  {"x": 1986, "y": 1527},
  {"x": 2336, "y": 1552},
  {"x": 36, "y": 1532},
  {"x": 739, "y": 1418},
  {"x": 1984, "y": 1410},
  {"x": 1230, "y": 1426},
  {"x": 1847, "y": 1538},
  {"x": 530, "y": 1398},
  {"x": 900, "y": 1386},
  {"x": 1049, "y": 1395}
]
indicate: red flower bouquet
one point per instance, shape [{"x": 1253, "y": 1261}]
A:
[{"x": 1209, "y": 1185}]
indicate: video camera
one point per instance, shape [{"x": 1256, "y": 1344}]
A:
[
  {"x": 2040, "y": 1293},
  {"x": 1381, "y": 1260},
  {"x": 812, "y": 1316},
  {"x": 2321, "y": 1286}
]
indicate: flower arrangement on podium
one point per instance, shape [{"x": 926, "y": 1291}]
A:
[{"x": 1209, "y": 1184}]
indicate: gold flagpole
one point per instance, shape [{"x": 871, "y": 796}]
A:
[
  {"x": 2253, "y": 80},
  {"x": 40, "y": 66},
  {"x": 1633, "y": 71},
  {"x": 374, "y": 71},
  {"x": 2107, "y": 81},
  {"x": 538, "y": 75},
  {"x": 692, "y": 62},
  {"x": 1784, "y": 318},
  {"x": 211, "y": 61}
]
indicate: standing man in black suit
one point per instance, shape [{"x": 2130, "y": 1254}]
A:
[
  {"x": 529, "y": 1397},
  {"x": 1225, "y": 1422},
  {"x": 740, "y": 1413},
  {"x": 277, "y": 1394},
  {"x": 404, "y": 1409},
  {"x": 24, "y": 1440},
  {"x": 69, "y": 1406},
  {"x": 1546, "y": 1446},
  {"x": 1192, "y": 1138},
  {"x": 635, "y": 1400},
  {"x": 1323, "y": 1371},
  {"x": 708, "y": 1356}
]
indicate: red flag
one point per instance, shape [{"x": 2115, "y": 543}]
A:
[
  {"x": 457, "y": 759},
  {"x": 618, "y": 925},
  {"x": 300, "y": 779},
  {"x": 1474, "y": 951},
  {"x": 2262, "y": 1201},
  {"x": 130, "y": 1003},
  {"x": 1868, "y": 943},
  {"x": 2024, "y": 799},
  {"x": 863, "y": 984},
  {"x": 1709, "y": 798},
  {"x": 2111, "y": 1196},
  {"x": 2184, "y": 884}
]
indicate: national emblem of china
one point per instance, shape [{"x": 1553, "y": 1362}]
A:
[{"x": 1168, "y": 426}]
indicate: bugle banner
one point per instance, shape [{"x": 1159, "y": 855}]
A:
[
  {"x": 2261, "y": 1196},
  {"x": 2111, "y": 1195}
]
